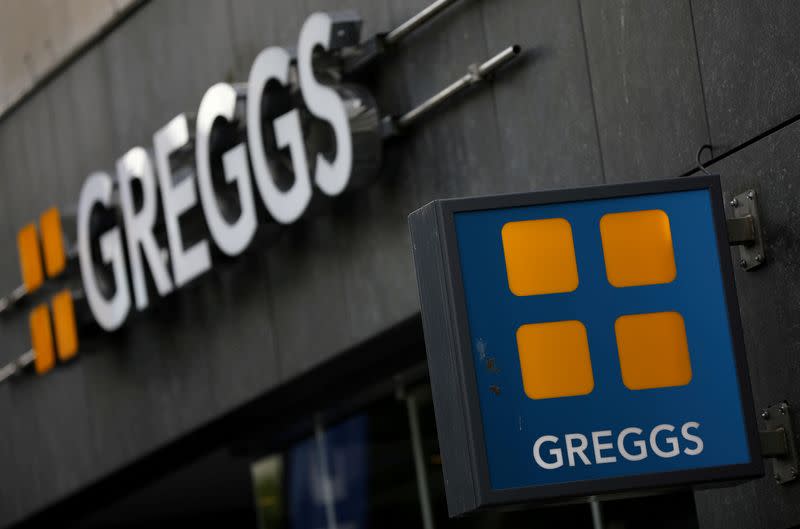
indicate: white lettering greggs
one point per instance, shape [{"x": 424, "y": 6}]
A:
[
  {"x": 631, "y": 444},
  {"x": 179, "y": 194}
]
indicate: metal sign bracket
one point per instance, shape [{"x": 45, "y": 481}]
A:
[
  {"x": 778, "y": 442},
  {"x": 744, "y": 230}
]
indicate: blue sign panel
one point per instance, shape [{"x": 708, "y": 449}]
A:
[{"x": 600, "y": 338}]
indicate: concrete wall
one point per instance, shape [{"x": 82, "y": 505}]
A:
[
  {"x": 36, "y": 36},
  {"x": 610, "y": 91}
]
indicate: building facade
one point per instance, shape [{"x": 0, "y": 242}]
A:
[{"x": 314, "y": 330}]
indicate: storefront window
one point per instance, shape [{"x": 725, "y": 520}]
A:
[
  {"x": 354, "y": 474},
  {"x": 378, "y": 469},
  {"x": 268, "y": 488}
]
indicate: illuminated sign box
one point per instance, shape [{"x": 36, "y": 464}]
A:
[{"x": 584, "y": 342}]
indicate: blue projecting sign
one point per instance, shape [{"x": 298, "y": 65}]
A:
[{"x": 583, "y": 342}]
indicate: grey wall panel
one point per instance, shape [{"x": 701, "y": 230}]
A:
[
  {"x": 136, "y": 390},
  {"x": 768, "y": 304},
  {"x": 297, "y": 282},
  {"x": 19, "y": 195},
  {"x": 647, "y": 90},
  {"x": 162, "y": 60},
  {"x": 9, "y": 467},
  {"x": 13, "y": 334},
  {"x": 255, "y": 25},
  {"x": 309, "y": 300},
  {"x": 13, "y": 331},
  {"x": 750, "y": 64},
  {"x": 10, "y": 276},
  {"x": 373, "y": 235},
  {"x": 545, "y": 120},
  {"x": 446, "y": 152},
  {"x": 378, "y": 274},
  {"x": 49, "y": 413},
  {"x": 46, "y": 418},
  {"x": 83, "y": 123}
]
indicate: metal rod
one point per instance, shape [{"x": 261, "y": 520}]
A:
[
  {"x": 7, "y": 371},
  {"x": 27, "y": 358},
  {"x": 419, "y": 463},
  {"x": 13, "y": 368},
  {"x": 499, "y": 60},
  {"x": 13, "y": 298},
  {"x": 476, "y": 74},
  {"x": 401, "y": 31},
  {"x": 597, "y": 514}
]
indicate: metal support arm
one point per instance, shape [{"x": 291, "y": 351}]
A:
[
  {"x": 744, "y": 230},
  {"x": 476, "y": 73}
]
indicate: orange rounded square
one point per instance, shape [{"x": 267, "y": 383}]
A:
[
  {"x": 540, "y": 257},
  {"x": 653, "y": 350},
  {"x": 637, "y": 246},
  {"x": 55, "y": 259},
  {"x": 555, "y": 359},
  {"x": 42, "y": 339},
  {"x": 30, "y": 257},
  {"x": 66, "y": 330}
]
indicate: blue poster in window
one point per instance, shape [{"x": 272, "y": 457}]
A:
[{"x": 327, "y": 478}]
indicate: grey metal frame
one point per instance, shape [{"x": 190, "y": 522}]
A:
[{"x": 451, "y": 367}]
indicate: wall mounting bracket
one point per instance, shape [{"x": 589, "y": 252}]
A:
[
  {"x": 744, "y": 230},
  {"x": 778, "y": 442}
]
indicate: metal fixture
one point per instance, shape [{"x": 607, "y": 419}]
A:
[
  {"x": 778, "y": 442},
  {"x": 370, "y": 51},
  {"x": 701, "y": 165},
  {"x": 18, "y": 365},
  {"x": 744, "y": 230},
  {"x": 11, "y": 300},
  {"x": 413, "y": 23},
  {"x": 476, "y": 73}
]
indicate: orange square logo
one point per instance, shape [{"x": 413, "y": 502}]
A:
[
  {"x": 555, "y": 359},
  {"x": 653, "y": 350},
  {"x": 30, "y": 257},
  {"x": 55, "y": 259},
  {"x": 637, "y": 246},
  {"x": 540, "y": 257},
  {"x": 42, "y": 339},
  {"x": 66, "y": 330}
]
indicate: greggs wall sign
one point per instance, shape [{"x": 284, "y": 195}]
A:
[
  {"x": 584, "y": 342},
  {"x": 257, "y": 152}
]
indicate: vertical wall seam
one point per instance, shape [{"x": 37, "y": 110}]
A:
[
  {"x": 235, "y": 48},
  {"x": 591, "y": 91},
  {"x": 493, "y": 89},
  {"x": 700, "y": 75}
]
